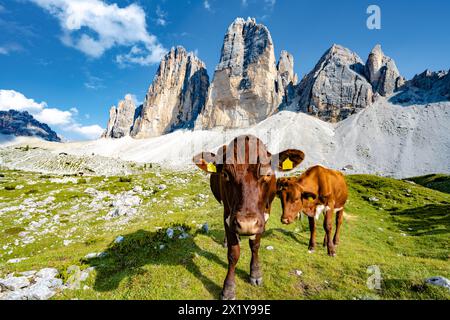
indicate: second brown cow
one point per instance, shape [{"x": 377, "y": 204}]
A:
[{"x": 317, "y": 190}]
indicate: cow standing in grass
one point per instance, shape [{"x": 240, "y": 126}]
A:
[
  {"x": 243, "y": 180},
  {"x": 317, "y": 190}
]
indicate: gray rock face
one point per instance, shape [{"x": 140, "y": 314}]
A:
[
  {"x": 382, "y": 72},
  {"x": 423, "y": 88},
  {"x": 244, "y": 90},
  {"x": 176, "y": 96},
  {"x": 287, "y": 78},
  {"x": 19, "y": 123},
  {"x": 335, "y": 88},
  {"x": 121, "y": 119}
]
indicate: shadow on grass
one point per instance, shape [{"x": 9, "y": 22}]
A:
[
  {"x": 432, "y": 219},
  {"x": 290, "y": 234},
  {"x": 140, "y": 248},
  {"x": 405, "y": 288}
]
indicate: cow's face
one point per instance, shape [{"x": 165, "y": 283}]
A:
[
  {"x": 294, "y": 200},
  {"x": 247, "y": 180}
]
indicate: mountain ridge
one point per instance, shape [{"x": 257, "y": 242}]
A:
[
  {"x": 249, "y": 85},
  {"x": 21, "y": 123}
]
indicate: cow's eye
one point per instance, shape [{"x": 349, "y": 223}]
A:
[{"x": 226, "y": 175}]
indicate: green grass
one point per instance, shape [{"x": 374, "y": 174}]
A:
[
  {"x": 440, "y": 182},
  {"x": 405, "y": 233}
]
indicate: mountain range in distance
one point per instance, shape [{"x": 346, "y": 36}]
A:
[{"x": 249, "y": 85}]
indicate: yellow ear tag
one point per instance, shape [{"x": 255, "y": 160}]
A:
[
  {"x": 287, "y": 164},
  {"x": 211, "y": 167},
  {"x": 310, "y": 199}
]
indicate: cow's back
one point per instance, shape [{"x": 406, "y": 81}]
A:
[
  {"x": 321, "y": 180},
  {"x": 338, "y": 185}
]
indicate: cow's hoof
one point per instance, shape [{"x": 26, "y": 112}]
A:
[
  {"x": 310, "y": 250},
  {"x": 256, "y": 281},
  {"x": 227, "y": 296},
  {"x": 332, "y": 254}
]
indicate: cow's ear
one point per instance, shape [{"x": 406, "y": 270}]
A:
[
  {"x": 206, "y": 161},
  {"x": 310, "y": 196},
  {"x": 287, "y": 159}
]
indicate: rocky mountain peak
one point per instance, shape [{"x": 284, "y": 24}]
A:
[
  {"x": 19, "y": 123},
  {"x": 244, "y": 89},
  {"x": 121, "y": 118},
  {"x": 176, "y": 96},
  {"x": 382, "y": 72},
  {"x": 336, "y": 87},
  {"x": 287, "y": 78}
]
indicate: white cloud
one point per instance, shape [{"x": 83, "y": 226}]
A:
[
  {"x": 10, "y": 99},
  {"x": 10, "y": 47},
  {"x": 63, "y": 119},
  {"x": 244, "y": 3},
  {"x": 53, "y": 116},
  {"x": 93, "y": 83},
  {"x": 161, "y": 17},
  {"x": 206, "y": 5},
  {"x": 90, "y": 132},
  {"x": 93, "y": 27}
]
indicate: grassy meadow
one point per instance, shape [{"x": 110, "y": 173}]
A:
[{"x": 398, "y": 226}]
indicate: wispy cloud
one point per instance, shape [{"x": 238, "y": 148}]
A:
[
  {"x": 93, "y": 82},
  {"x": 94, "y": 26},
  {"x": 207, "y": 5},
  {"x": 269, "y": 4},
  {"x": 161, "y": 16},
  {"x": 64, "y": 120},
  {"x": 8, "y": 48}
]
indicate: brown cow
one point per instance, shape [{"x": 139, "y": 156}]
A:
[
  {"x": 243, "y": 179},
  {"x": 318, "y": 189}
]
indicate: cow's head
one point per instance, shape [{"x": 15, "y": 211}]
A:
[
  {"x": 246, "y": 177},
  {"x": 294, "y": 199}
]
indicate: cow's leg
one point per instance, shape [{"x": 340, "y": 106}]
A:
[
  {"x": 328, "y": 226},
  {"x": 255, "y": 270},
  {"x": 229, "y": 291},
  {"x": 339, "y": 218},
  {"x": 312, "y": 238}
]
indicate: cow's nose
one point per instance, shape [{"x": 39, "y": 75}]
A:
[{"x": 247, "y": 225}]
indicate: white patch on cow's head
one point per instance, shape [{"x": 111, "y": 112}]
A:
[{"x": 227, "y": 220}]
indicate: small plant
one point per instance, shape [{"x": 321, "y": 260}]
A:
[
  {"x": 82, "y": 181},
  {"x": 45, "y": 176},
  {"x": 14, "y": 230},
  {"x": 10, "y": 187},
  {"x": 125, "y": 179},
  {"x": 31, "y": 191}
]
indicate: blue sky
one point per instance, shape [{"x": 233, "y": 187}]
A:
[{"x": 68, "y": 62}]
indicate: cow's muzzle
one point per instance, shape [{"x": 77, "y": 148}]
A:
[{"x": 248, "y": 225}]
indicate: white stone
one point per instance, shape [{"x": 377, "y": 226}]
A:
[
  {"x": 14, "y": 283},
  {"x": 47, "y": 273},
  {"x": 439, "y": 281}
]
